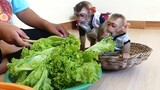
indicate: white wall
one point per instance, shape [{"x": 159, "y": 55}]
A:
[
  {"x": 145, "y": 10},
  {"x": 59, "y": 11}
]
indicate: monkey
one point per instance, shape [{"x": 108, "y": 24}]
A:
[
  {"x": 88, "y": 21},
  {"x": 116, "y": 26}
]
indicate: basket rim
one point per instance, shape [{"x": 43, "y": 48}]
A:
[
  {"x": 117, "y": 63},
  {"x": 148, "y": 50}
]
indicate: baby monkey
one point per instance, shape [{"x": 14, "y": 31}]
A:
[
  {"x": 88, "y": 22},
  {"x": 116, "y": 26}
]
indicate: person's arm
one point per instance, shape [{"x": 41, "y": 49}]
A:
[
  {"x": 13, "y": 35},
  {"x": 30, "y": 18}
]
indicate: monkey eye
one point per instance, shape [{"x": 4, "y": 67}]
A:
[
  {"x": 111, "y": 24},
  {"x": 81, "y": 15}
]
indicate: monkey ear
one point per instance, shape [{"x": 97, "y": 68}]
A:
[
  {"x": 93, "y": 9},
  {"x": 123, "y": 28},
  {"x": 127, "y": 25}
]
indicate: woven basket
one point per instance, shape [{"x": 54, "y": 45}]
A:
[{"x": 138, "y": 54}]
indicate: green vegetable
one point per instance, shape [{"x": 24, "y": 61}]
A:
[
  {"x": 55, "y": 63},
  {"x": 29, "y": 62},
  {"x": 105, "y": 45}
]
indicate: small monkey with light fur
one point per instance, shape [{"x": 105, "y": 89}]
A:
[
  {"x": 116, "y": 26},
  {"x": 88, "y": 21}
]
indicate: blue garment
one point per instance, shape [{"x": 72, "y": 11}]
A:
[
  {"x": 7, "y": 8},
  {"x": 17, "y": 6}
]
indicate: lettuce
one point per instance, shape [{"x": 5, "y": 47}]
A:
[
  {"x": 55, "y": 63},
  {"x": 105, "y": 45}
]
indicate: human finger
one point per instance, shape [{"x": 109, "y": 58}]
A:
[
  {"x": 20, "y": 42},
  {"x": 22, "y": 34},
  {"x": 62, "y": 31},
  {"x": 18, "y": 39}
]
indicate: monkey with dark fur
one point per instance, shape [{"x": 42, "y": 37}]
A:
[
  {"x": 116, "y": 26},
  {"x": 88, "y": 22}
]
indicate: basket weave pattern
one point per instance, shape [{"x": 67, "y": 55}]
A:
[{"x": 139, "y": 53}]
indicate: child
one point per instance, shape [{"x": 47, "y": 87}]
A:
[
  {"x": 88, "y": 21},
  {"x": 116, "y": 25}
]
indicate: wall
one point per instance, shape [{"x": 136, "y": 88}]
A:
[
  {"x": 60, "y": 11},
  {"x": 142, "y": 10}
]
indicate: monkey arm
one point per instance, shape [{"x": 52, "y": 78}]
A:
[
  {"x": 102, "y": 32},
  {"x": 82, "y": 40},
  {"x": 126, "y": 50}
]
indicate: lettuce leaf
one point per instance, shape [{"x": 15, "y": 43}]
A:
[
  {"x": 105, "y": 45},
  {"x": 55, "y": 63}
]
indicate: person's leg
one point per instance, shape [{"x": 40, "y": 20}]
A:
[
  {"x": 3, "y": 65},
  {"x": 35, "y": 34},
  {"x": 6, "y": 49}
]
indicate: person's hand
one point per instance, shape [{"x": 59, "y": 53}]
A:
[
  {"x": 13, "y": 35},
  {"x": 58, "y": 30}
]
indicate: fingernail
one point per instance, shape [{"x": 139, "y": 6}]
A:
[{"x": 27, "y": 37}]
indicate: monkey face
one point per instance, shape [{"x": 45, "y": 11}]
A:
[
  {"x": 115, "y": 26},
  {"x": 83, "y": 16}
]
